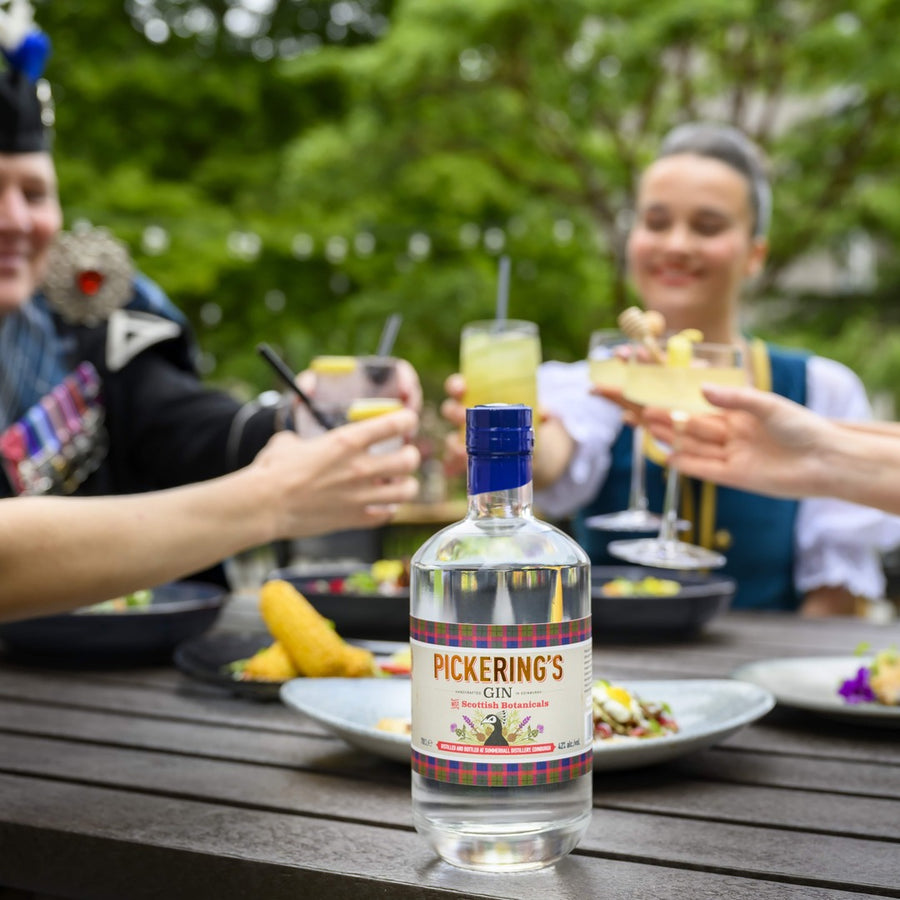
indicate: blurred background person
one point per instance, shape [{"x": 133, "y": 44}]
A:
[{"x": 702, "y": 214}]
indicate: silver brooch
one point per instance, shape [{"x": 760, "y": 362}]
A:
[{"x": 89, "y": 276}]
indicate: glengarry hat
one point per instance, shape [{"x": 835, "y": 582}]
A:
[{"x": 23, "y": 115}]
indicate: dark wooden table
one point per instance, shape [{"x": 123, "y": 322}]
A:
[{"x": 139, "y": 783}]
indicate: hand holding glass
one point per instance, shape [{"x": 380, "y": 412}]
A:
[{"x": 350, "y": 388}]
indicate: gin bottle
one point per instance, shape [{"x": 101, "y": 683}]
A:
[{"x": 500, "y": 630}]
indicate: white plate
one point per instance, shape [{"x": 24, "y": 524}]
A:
[
  {"x": 707, "y": 711},
  {"x": 812, "y": 682}
]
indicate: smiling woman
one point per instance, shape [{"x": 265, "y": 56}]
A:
[{"x": 699, "y": 235}]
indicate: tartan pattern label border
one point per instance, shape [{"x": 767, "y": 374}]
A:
[
  {"x": 482, "y": 774},
  {"x": 510, "y": 637}
]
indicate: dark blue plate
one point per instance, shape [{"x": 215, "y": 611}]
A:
[
  {"x": 702, "y": 597},
  {"x": 207, "y": 658},
  {"x": 178, "y": 611}
]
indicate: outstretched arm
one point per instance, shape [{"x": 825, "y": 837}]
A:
[
  {"x": 764, "y": 443},
  {"x": 61, "y": 552}
]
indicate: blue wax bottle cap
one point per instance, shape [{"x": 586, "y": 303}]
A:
[{"x": 499, "y": 428}]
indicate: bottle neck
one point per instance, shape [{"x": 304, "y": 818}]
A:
[{"x": 500, "y": 486}]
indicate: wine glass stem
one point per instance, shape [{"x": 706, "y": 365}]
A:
[
  {"x": 668, "y": 530},
  {"x": 637, "y": 499}
]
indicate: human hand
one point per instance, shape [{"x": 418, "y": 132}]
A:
[
  {"x": 454, "y": 411},
  {"x": 409, "y": 387},
  {"x": 632, "y": 413},
  {"x": 759, "y": 442},
  {"x": 332, "y": 482}
]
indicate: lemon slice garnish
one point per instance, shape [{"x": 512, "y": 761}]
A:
[
  {"x": 369, "y": 407},
  {"x": 679, "y": 351},
  {"x": 333, "y": 365}
]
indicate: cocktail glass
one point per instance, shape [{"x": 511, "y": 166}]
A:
[
  {"x": 499, "y": 360},
  {"x": 340, "y": 381},
  {"x": 608, "y": 367},
  {"x": 676, "y": 385}
]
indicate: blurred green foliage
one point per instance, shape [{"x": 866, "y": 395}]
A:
[{"x": 315, "y": 166}]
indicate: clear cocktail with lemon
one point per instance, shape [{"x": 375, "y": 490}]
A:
[{"x": 350, "y": 388}]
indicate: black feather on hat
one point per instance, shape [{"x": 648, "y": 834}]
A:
[{"x": 23, "y": 128}]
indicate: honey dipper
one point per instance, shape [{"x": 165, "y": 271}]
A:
[{"x": 645, "y": 327}]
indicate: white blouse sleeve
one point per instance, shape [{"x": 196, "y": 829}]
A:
[
  {"x": 839, "y": 543},
  {"x": 593, "y": 424}
]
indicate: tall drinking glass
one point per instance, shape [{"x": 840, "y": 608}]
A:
[
  {"x": 675, "y": 385},
  {"x": 608, "y": 368},
  {"x": 498, "y": 359}
]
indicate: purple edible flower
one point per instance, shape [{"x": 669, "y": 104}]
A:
[{"x": 857, "y": 689}]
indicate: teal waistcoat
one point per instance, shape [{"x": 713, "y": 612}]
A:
[{"x": 759, "y": 530}]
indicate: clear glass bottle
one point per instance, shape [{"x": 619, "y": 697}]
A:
[{"x": 500, "y": 632}]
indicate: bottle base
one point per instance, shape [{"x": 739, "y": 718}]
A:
[{"x": 516, "y": 848}]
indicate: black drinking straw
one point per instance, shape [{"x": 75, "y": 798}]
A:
[{"x": 281, "y": 368}]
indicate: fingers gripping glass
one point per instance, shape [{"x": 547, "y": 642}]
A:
[
  {"x": 607, "y": 369},
  {"x": 676, "y": 384}
]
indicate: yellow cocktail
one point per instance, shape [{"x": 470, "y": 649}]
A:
[
  {"x": 499, "y": 362},
  {"x": 606, "y": 367},
  {"x": 679, "y": 388},
  {"x": 608, "y": 373},
  {"x": 674, "y": 382}
]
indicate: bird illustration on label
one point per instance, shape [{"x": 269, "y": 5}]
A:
[{"x": 495, "y": 738}]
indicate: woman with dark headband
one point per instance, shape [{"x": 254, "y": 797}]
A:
[{"x": 699, "y": 233}]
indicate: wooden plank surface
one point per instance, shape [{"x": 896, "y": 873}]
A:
[
  {"x": 727, "y": 796},
  {"x": 182, "y": 849},
  {"x": 143, "y": 783},
  {"x": 703, "y": 840}
]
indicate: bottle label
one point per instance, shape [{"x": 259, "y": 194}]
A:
[{"x": 501, "y": 705}]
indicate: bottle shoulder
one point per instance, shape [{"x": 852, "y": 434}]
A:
[{"x": 525, "y": 541}]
